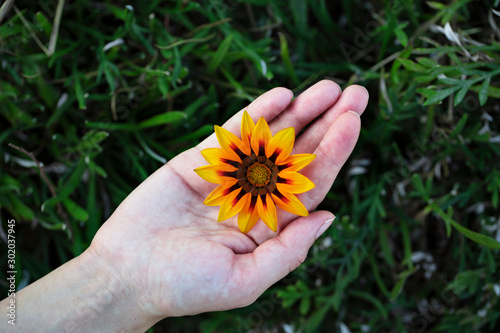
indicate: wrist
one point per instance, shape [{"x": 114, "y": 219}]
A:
[
  {"x": 109, "y": 300},
  {"x": 84, "y": 295}
]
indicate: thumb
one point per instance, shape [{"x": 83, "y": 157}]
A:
[{"x": 275, "y": 258}]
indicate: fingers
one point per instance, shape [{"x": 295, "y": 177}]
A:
[
  {"x": 332, "y": 152},
  {"x": 277, "y": 257},
  {"x": 354, "y": 98},
  {"x": 307, "y": 106}
]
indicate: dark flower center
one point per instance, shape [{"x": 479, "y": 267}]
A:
[{"x": 258, "y": 174}]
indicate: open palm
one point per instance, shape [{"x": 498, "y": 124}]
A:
[{"x": 168, "y": 248}]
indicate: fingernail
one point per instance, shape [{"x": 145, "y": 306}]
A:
[
  {"x": 324, "y": 226},
  {"x": 357, "y": 114}
]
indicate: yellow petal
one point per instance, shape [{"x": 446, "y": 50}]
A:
[
  {"x": 232, "y": 205},
  {"x": 248, "y": 216},
  {"x": 261, "y": 136},
  {"x": 216, "y": 174},
  {"x": 217, "y": 197},
  {"x": 280, "y": 146},
  {"x": 247, "y": 126},
  {"x": 290, "y": 203},
  {"x": 217, "y": 156},
  {"x": 293, "y": 182},
  {"x": 296, "y": 162},
  {"x": 267, "y": 211},
  {"x": 230, "y": 143}
]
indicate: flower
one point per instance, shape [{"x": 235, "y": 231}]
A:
[{"x": 256, "y": 173}]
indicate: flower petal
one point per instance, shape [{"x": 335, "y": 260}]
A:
[
  {"x": 216, "y": 174},
  {"x": 233, "y": 204},
  {"x": 248, "y": 216},
  {"x": 293, "y": 182},
  {"x": 290, "y": 203},
  {"x": 230, "y": 143},
  {"x": 217, "y": 156},
  {"x": 267, "y": 211},
  {"x": 247, "y": 126},
  {"x": 280, "y": 146},
  {"x": 296, "y": 162},
  {"x": 261, "y": 136},
  {"x": 217, "y": 197}
]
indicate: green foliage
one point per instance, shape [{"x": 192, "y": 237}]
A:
[{"x": 130, "y": 85}]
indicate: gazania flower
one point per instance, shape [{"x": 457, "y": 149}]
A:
[{"x": 256, "y": 173}]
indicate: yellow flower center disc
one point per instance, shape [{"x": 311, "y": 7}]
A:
[{"x": 258, "y": 174}]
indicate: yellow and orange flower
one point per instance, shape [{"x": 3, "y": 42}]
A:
[{"x": 256, "y": 173}]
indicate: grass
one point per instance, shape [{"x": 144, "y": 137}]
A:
[{"x": 93, "y": 107}]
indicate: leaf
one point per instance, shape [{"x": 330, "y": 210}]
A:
[
  {"x": 95, "y": 137},
  {"x": 68, "y": 187},
  {"x": 436, "y": 5},
  {"x": 220, "y": 54},
  {"x": 177, "y": 67},
  {"x": 384, "y": 246},
  {"x": 451, "y": 81},
  {"x": 462, "y": 281},
  {"x": 412, "y": 66},
  {"x": 162, "y": 119},
  {"x": 305, "y": 304},
  {"x": 79, "y": 93},
  {"x": 316, "y": 318},
  {"x": 460, "y": 126},
  {"x": 401, "y": 36},
  {"x": 492, "y": 91},
  {"x": 18, "y": 208},
  {"x": 202, "y": 131},
  {"x": 137, "y": 32},
  {"x": 461, "y": 94},
  {"x": 56, "y": 226},
  {"x": 477, "y": 237},
  {"x": 483, "y": 93},
  {"x": 493, "y": 186},
  {"x": 100, "y": 171},
  {"x": 287, "y": 62},
  {"x": 417, "y": 182},
  {"x": 472, "y": 235},
  {"x": 191, "y": 109},
  {"x": 372, "y": 299},
  {"x": 401, "y": 282},
  {"x": 427, "y": 62},
  {"x": 77, "y": 212},
  {"x": 434, "y": 96},
  {"x": 44, "y": 23},
  {"x": 111, "y": 126}
]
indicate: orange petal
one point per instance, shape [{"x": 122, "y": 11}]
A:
[
  {"x": 290, "y": 203},
  {"x": 247, "y": 126},
  {"x": 216, "y": 174},
  {"x": 230, "y": 143},
  {"x": 267, "y": 211},
  {"x": 296, "y": 162},
  {"x": 261, "y": 136},
  {"x": 217, "y": 197},
  {"x": 216, "y": 156},
  {"x": 293, "y": 182},
  {"x": 248, "y": 216},
  {"x": 280, "y": 146},
  {"x": 232, "y": 205}
]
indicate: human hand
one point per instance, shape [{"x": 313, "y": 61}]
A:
[{"x": 173, "y": 255}]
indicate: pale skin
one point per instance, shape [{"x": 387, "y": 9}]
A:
[{"x": 162, "y": 253}]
